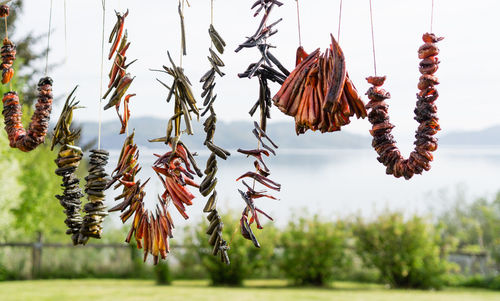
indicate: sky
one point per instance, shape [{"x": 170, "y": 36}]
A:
[{"x": 469, "y": 72}]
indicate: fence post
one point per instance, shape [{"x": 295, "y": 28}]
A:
[{"x": 36, "y": 259}]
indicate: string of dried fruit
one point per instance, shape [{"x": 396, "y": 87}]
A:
[
  {"x": 264, "y": 70},
  {"x": 67, "y": 161},
  {"x": 28, "y": 140},
  {"x": 319, "y": 93},
  {"x": 8, "y": 51},
  {"x": 425, "y": 114},
  {"x": 119, "y": 79},
  {"x": 208, "y": 184}
]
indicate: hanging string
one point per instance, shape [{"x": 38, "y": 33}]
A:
[
  {"x": 340, "y": 21},
  {"x": 103, "y": 2},
  {"x": 373, "y": 39},
  {"x": 298, "y": 22},
  {"x": 432, "y": 14},
  {"x": 212, "y": 12},
  {"x": 7, "y": 37},
  {"x": 65, "y": 35},
  {"x": 48, "y": 40}
]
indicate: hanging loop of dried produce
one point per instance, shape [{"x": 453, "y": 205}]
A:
[
  {"x": 207, "y": 186},
  {"x": 28, "y": 140},
  {"x": 318, "y": 93},
  {"x": 8, "y": 51},
  {"x": 425, "y": 114},
  {"x": 67, "y": 161},
  {"x": 150, "y": 230},
  {"x": 261, "y": 176}
]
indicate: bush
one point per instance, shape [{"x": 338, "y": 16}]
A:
[
  {"x": 407, "y": 253},
  {"x": 246, "y": 260},
  {"x": 313, "y": 250},
  {"x": 162, "y": 273}
]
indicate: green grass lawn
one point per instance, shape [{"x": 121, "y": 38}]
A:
[{"x": 128, "y": 290}]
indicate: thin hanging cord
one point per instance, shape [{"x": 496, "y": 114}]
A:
[
  {"x": 102, "y": 73},
  {"x": 373, "y": 39},
  {"x": 6, "y": 32},
  {"x": 211, "y": 20},
  {"x": 48, "y": 40},
  {"x": 298, "y": 22},
  {"x": 65, "y": 35},
  {"x": 340, "y": 21},
  {"x": 432, "y": 14}
]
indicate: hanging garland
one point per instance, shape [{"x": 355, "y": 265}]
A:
[
  {"x": 318, "y": 93},
  {"x": 209, "y": 183},
  {"x": 8, "y": 51},
  {"x": 19, "y": 137},
  {"x": 265, "y": 71},
  {"x": 425, "y": 114},
  {"x": 68, "y": 160}
]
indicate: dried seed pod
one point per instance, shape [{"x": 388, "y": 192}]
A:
[{"x": 425, "y": 113}]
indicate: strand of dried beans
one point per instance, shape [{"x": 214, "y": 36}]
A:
[
  {"x": 12, "y": 111},
  {"x": 318, "y": 93},
  {"x": 208, "y": 184},
  {"x": 425, "y": 113}
]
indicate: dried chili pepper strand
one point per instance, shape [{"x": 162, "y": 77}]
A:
[{"x": 425, "y": 114}]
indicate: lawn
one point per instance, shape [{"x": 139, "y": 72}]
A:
[{"x": 128, "y": 290}]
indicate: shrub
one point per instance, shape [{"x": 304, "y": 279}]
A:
[
  {"x": 407, "y": 253},
  {"x": 313, "y": 250},
  {"x": 246, "y": 260},
  {"x": 162, "y": 273}
]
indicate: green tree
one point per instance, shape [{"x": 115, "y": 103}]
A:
[
  {"x": 313, "y": 250},
  {"x": 407, "y": 253}
]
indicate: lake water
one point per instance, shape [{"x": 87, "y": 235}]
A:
[{"x": 342, "y": 182}]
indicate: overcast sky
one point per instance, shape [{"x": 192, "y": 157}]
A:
[{"x": 469, "y": 71}]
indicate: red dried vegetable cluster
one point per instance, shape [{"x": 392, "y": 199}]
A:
[
  {"x": 425, "y": 114},
  {"x": 319, "y": 93},
  {"x": 28, "y": 140},
  {"x": 119, "y": 79},
  {"x": 8, "y": 51}
]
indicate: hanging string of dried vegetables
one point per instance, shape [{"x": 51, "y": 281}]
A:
[
  {"x": 68, "y": 160},
  {"x": 8, "y": 51},
  {"x": 119, "y": 79},
  {"x": 425, "y": 114},
  {"x": 209, "y": 183},
  {"x": 265, "y": 70},
  {"x": 319, "y": 93},
  {"x": 19, "y": 137}
]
